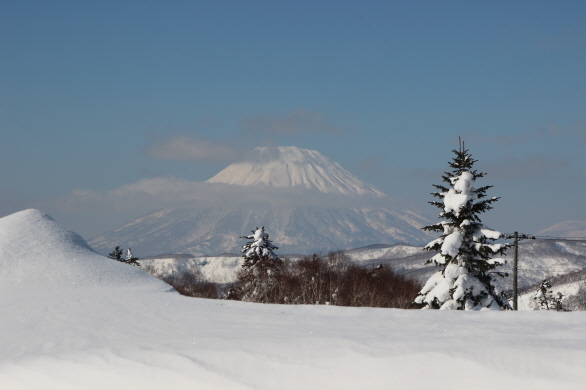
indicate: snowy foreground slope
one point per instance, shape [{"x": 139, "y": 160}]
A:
[{"x": 118, "y": 328}]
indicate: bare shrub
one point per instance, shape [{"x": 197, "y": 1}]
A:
[
  {"x": 193, "y": 284},
  {"x": 332, "y": 280}
]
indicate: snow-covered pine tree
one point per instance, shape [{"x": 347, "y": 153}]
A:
[
  {"x": 542, "y": 294},
  {"x": 258, "y": 249},
  {"x": 466, "y": 280},
  {"x": 546, "y": 299},
  {"x": 116, "y": 254},
  {"x": 130, "y": 259},
  {"x": 259, "y": 268}
]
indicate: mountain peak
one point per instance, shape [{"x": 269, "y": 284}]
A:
[{"x": 289, "y": 166}]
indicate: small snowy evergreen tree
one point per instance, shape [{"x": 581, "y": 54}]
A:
[
  {"x": 546, "y": 299},
  {"x": 116, "y": 254},
  {"x": 130, "y": 259},
  {"x": 260, "y": 266},
  {"x": 466, "y": 280},
  {"x": 258, "y": 249}
]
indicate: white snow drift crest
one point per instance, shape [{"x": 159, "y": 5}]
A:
[{"x": 36, "y": 250}]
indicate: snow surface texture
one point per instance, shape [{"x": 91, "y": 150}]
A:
[
  {"x": 122, "y": 329},
  {"x": 288, "y": 166}
]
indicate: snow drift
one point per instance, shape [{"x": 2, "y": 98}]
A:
[{"x": 37, "y": 251}]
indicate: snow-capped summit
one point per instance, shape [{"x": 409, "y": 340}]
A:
[{"x": 288, "y": 166}]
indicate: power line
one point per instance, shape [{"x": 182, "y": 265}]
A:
[
  {"x": 560, "y": 238},
  {"x": 557, "y": 267}
]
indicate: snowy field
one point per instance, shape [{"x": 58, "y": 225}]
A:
[{"x": 71, "y": 319}]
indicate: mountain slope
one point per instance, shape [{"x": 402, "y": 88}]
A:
[
  {"x": 288, "y": 166},
  {"x": 294, "y": 229},
  {"x": 575, "y": 229}
]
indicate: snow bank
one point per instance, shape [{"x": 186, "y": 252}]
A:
[
  {"x": 37, "y": 252},
  {"x": 116, "y": 338}
]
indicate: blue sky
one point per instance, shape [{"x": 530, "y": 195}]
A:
[{"x": 94, "y": 93}]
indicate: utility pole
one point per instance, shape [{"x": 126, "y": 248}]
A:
[
  {"x": 515, "y": 270},
  {"x": 516, "y": 237}
]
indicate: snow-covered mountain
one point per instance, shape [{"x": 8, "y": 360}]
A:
[
  {"x": 294, "y": 229},
  {"x": 307, "y": 203},
  {"x": 289, "y": 166}
]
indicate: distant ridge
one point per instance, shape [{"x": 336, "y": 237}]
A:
[
  {"x": 289, "y": 166},
  {"x": 574, "y": 229}
]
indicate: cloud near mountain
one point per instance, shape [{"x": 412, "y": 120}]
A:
[{"x": 278, "y": 175}]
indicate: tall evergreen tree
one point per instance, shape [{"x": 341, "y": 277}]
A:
[
  {"x": 466, "y": 279},
  {"x": 257, "y": 276}
]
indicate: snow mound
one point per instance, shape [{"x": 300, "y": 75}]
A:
[
  {"x": 37, "y": 251},
  {"x": 288, "y": 166}
]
